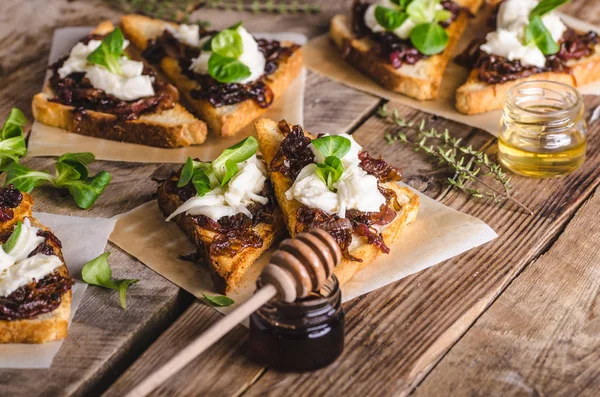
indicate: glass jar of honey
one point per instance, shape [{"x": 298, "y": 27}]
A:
[
  {"x": 543, "y": 131},
  {"x": 300, "y": 336}
]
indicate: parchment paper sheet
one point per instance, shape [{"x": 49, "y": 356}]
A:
[
  {"x": 439, "y": 233},
  {"x": 77, "y": 252},
  {"x": 321, "y": 56},
  {"x": 51, "y": 141}
]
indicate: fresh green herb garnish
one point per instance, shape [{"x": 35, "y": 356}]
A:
[
  {"x": 12, "y": 240},
  {"x": 330, "y": 171},
  {"x": 422, "y": 11},
  {"x": 332, "y": 145},
  {"x": 545, "y": 6},
  {"x": 98, "y": 272},
  {"x": 224, "y": 64},
  {"x": 71, "y": 173},
  {"x": 333, "y": 148},
  {"x": 390, "y": 19},
  {"x": 402, "y": 3},
  {"x": 228, "y": 43},
  {"x": 536, "y": 32},
  {"x": 110, "y": 51},
  {"x": 207, "y": 176},
  {"x": 227, "y": 70},
  {"x": 219, "y": 300},
  {"x": 12, "y": 139},
  {"x": 429, "y": 38}
]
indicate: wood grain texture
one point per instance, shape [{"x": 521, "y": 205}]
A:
[
  {"x": 104, "y": 340},
  {"x": 541, "y": 336},
  {"x": 221, "y": 371}
]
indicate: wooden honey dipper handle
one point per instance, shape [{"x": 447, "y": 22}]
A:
[{"x": 299, "y": 266}]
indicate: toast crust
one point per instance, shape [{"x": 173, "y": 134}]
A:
[
  {"x": 421, "y": 80},
  {"x": 48, "y": 326},
  {"x": 226, "y": 272},
  {"x": 475, "y": 96},
  {"x": 174, "y": 127},
  {"x": 269, "y": 139},
  {"x": 224, "y": 120}
]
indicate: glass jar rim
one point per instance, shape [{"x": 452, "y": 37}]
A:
[{"x": 513, "y": 93}]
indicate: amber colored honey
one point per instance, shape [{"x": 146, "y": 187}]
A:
[
  {"x": 530, "y": 161},
  {"x": 530, "y": 151}
]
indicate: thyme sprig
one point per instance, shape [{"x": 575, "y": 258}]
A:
[
  {"x": 469, "y": 165},
  {"x": 179, "y": 10}
]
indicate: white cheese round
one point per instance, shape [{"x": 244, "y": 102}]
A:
[
  {"x": 188, "y": 34},
  {"x": 17, "y": 269},
  {"x": 509, "y": 38},
  {"x": 355, "y": 190},
  {"x": 128, "y": 86},
  {"x": 403, "y": 31},
  {"x": 251, "y": 56},
  {"x": 241, "y": 191}
]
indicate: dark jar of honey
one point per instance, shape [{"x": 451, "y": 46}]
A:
[{"x": 301, "y": 336}]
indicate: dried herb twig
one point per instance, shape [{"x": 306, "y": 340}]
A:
[
  {"x": 179, "y": 10},
  {"x": 467, "y": 163}
]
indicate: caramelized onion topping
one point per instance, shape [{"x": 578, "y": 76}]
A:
[
  {"x": 294, "y": 154},
  {"x": 494, "y": 69},
  {"x": 77, "y": 91},
  {"x": 217, "y": 93},
  {"x": 233, "y": 233},
  {"x": 388, "y": 46},
  {"x": 40, "y": 296},
  {"x": 36, "y": 298},
  {"x": 10, "y": 198}
]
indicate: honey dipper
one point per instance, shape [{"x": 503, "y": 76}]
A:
[{"x": 299, "y": 266}]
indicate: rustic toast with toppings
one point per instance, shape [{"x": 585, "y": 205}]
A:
[
  {"x": 225, "y": 120},
  {"x": 269, "y": 138},
  {"x": 28, "y": 314},
  {"x": 226, "y": 270},
  {"x": 420, "y": 80},
  {"x": 478, "y": 96},
  {"x": 169, "y": 127}
]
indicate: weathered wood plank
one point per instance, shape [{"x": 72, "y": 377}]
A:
[
  {"x": 222, "y": 370},
  {"x": 541, "y": 337},
  {"x": 103, "y": 339}
]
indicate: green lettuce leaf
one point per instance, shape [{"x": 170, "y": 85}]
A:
[{"x": 98, "y": 272}]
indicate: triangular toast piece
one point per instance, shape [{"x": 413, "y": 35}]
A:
[
  {"x": 224, "y": 120},
  {"x": 226, "y": 271},
  {"x": 174, "y": 127},
  {"x": 269, "y": 139},
  {"x": 477, "y": 96},
  {"x": 47, "y": 325},
  {"x": 421, "y": 80}
]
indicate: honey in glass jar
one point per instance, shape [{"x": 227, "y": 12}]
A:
[{"x": 543, "y": 131}]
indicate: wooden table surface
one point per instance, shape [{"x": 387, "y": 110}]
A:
[{"x": 517, "y": 316}]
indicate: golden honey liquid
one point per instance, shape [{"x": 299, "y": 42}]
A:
[{"x": 539, "y": 156}]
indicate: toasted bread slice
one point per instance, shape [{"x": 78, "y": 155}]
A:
[
  {"x": 269, "y": 140},
  {"x": 48, "y": 326},
  {"x": 421, "y": 80},
  {"x": 224, "y": 120},
  {"x": 174, "y": 127},
  {"x": 476, "y": 96},
  {"x": 226, "y": 271}
]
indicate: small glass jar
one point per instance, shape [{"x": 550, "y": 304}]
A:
[
  {"x": 301, "y": 336},
  {"x": 543, "y": 130}
]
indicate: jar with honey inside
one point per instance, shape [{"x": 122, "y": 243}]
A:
[{"x": 543, "y": 130}]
